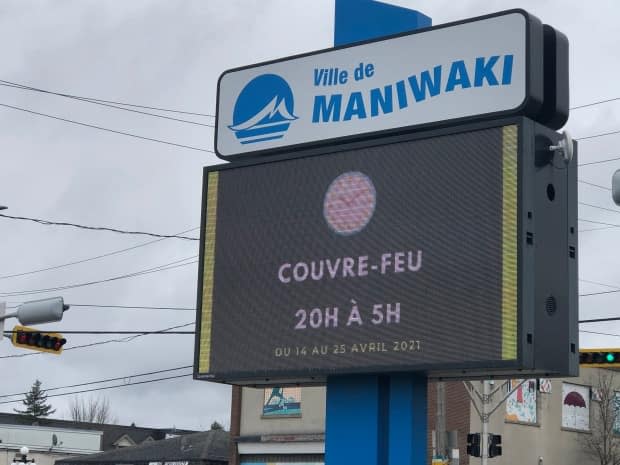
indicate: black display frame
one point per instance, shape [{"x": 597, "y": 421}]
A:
[{"x": 547, "y": 359}]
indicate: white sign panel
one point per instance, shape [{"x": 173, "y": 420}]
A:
[{"x": 447, "y": 73}]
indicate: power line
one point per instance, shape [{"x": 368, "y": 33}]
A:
[
  {"x": 596, "y": 229},
  {"x": 165, "y": 333},
  {"x": 97, "y": 100},
  {"x": 595, "y": 103},
  {"x": 107, "y": 380},
  {"x": 22, "y": 87},
  {"x": 599, "y": 161},
  {"x": 98, "y": 228},
  {"x": 180, "y": 376},
  {"x": 600, "y": 208},
  {"x": 599, "y": 283},
  {"x": 609, "y": 225},
  {"x": 597, "y": 332},
  {"x": 130, "y": 307},
  {"x": 598, "y": 320},
  {"x": 617, "y": 288},
  {"x": 600, "y": 222},
  {"x": 98, "y": 343},
  {"x": 92, "y": 99},
  {"x": 110, "y": 103},
  {"x": 594, "y": 185},
  {"x": 599, "y": 293},
  {"x": 115, "y": 252},
  {"x": 156, "y": 269},
  {"x": 167, "y": 266},
  {"x": 598, "y": 135},
  {"x": 163, "y": 236},
  {"x": 92, "y": 126},
  {"x": 106, "y": 387}
]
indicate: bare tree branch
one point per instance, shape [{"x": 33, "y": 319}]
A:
[
  {"x": 91, "y": 410},
  {"x": 603, "y": 443}
]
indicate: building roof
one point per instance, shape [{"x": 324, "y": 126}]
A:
[
  {"x": 111, "y": 433},
  {"x": 209, "y": 447}
]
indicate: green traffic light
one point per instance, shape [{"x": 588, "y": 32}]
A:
[{"x": 610, "y": 357}]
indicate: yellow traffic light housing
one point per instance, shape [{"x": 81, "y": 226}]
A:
[
  {"x": 41, "y": 341},
  {"x": 599, "y": 358}
]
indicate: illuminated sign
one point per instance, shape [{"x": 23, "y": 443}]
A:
[
  {"x": 484, "y": 68},
  {"x": 420, "y": 254}
]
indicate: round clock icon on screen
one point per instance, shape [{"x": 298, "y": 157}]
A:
[{"x": 349, "y": 203}]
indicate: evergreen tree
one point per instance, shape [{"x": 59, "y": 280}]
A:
[
  {"x": 35, "y": 403},
  {"x": 215, "y": 426}
]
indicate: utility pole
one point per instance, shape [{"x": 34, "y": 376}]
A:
[
  {"x": 485, "y": 411},
  {"x": 484, "y": 438},
  {"x": 440, "y": 427}
]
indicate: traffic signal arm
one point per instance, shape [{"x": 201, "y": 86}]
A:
[{"x": 33, "y": 339}]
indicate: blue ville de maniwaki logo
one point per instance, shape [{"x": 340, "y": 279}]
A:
[{"x": 264, "y": 110}]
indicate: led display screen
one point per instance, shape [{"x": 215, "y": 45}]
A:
[{"x": 399, "y": 257}]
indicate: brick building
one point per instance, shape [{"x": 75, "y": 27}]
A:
[{"x": 266, "y": 428}]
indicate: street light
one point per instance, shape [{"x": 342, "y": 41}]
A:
[
  {"x": 23, "y": 460},
  {"x": 35, "y": 311},
  {"x": 615, "y": 187}
]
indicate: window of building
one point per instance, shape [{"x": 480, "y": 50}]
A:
[
  {"x": 575, "y": 407},
  {"x": 521, "y": 406},
  {"x": 283, "y": 460},
  {"x": 124, "y": 441},
  {"x": 282, "y": 402},
  {"x": 616, "y": 412},
  {"x": 282, "y": 463}
]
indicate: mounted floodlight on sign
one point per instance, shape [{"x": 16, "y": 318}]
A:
[{"x": 564, "y": 147}]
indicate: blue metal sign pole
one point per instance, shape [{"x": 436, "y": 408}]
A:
[
  {"x": 359, "y": 20},
  {"x": 375, "y": 419}
]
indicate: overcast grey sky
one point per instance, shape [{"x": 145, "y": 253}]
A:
[{"x": 170, "y": 54}]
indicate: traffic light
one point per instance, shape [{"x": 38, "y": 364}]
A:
[
  {"x": 495, "y": 445},
  {"x": 33, "y": 339},
  {"x": 601, "y": 358},
  {"x": 473, "y": 444}
]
